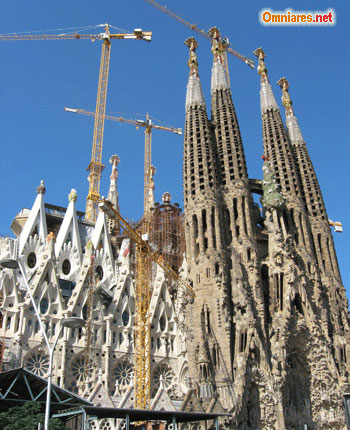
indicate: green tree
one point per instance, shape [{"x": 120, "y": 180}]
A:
[{"x": 26, "y": 417}]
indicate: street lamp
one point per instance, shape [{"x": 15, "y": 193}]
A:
[{"x": 70, "y": 322}]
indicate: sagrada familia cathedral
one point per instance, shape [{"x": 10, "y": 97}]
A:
[{"x": 266, "y": 338}]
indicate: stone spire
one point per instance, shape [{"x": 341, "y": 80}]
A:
[
  {"x": 204, "y": 230},
  {"x": 200, "y": 171},
  {"x": 267, "y": 99},
  {"x": 312, "y": 196},
  {"x": 312, "y": 192},
  {"x": 194, "y": 95},
  {"x": 293, "y": 128},
  {"x": 151, "y": 188},
  {"x": 113, "y": 195},
  {"x": 113, "y": 192},
  {"x": 276, "y": 143},
  {"x": 230, "y": 150}
]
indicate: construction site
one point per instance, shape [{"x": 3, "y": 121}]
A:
[{"x": 232, "y": 307}]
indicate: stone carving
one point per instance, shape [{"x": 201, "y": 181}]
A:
[{"x": 266, "y": 338}]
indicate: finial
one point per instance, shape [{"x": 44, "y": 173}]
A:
[
  {"x": 286, "y": 101},
  {"x": 192, "y": 44},
  {"x": 262, "y": 70},
  {"x": 194, "y": 94},
  {"x": 113, "y": 193},
  {"x": 41, "y": 188},
  {"x": 89, "y": 246},
  {"x": 219, "y": 75},
  {"x": 217, "y": 48},
  {"x": 114, "y": 160},
  {"x": 166, "y": 197},
  {"x": 72, "y": 196},
  {"x": 293, "y": 128},
  {"x": 51, "y": 237}
]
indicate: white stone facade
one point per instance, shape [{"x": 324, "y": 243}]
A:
[{"x": 58, "y": 274}]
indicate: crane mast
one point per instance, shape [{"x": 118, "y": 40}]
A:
[
  {"x": 142, "y": 329},
  {"x": 143, "y": 293},
  {"x": 148, "y": 126},
  {"x": 95, "y": 167},
  {"x": 147, "y": 175},
  {"x": 144, "y": 255}
]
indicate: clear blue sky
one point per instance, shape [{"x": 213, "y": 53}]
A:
[{"x": 37, "y": 79}]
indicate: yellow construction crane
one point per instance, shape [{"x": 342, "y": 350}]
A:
[
  {"x": 148, "y": 126},
  {"x": 95, "y": 167},
  {"x": 144, "y": 255},
  {"x": 224, "y": 42}
]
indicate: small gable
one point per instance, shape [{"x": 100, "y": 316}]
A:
[
  {"x": 162, "y": 401},
  {"x": 100, "y": 396}
]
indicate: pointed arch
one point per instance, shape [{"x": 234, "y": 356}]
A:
[
  {"x": 101, "y": 238},
  {"x": 36, "y": 221},
  {"x": 69, "y": 228}
]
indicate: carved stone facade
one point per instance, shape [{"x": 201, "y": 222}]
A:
[
  {"x": 270, "y": 323},
  {"x": 266, "y": 338},
  {"x": 55, "y": 246}
]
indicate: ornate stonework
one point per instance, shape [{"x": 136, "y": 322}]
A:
[
  {"x": 266, "y": 338},
  {"x": 270, "y": 321}
]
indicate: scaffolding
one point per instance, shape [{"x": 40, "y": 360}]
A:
[
  {"x": 167, "y": 231},
  {"x": 144, "y": 254}
]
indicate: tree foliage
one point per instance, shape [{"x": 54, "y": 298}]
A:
[{"x": 26, "y": 417}]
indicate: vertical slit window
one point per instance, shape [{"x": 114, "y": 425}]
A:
[
  {"x": 329, "y": 255},
  {"x": 320, "y": 248},
  {"x": 281, "y": 291},
  {"x": 204, "y": 220},
  {"x": 244, "y": 216},
  {"x": 228, "y": 224},
  {"x": 302, "y": 228},
  {"x": 286, "y": 222},
  {"x": 213, "y": 226},
  {"x": 195, "y": 225}
]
